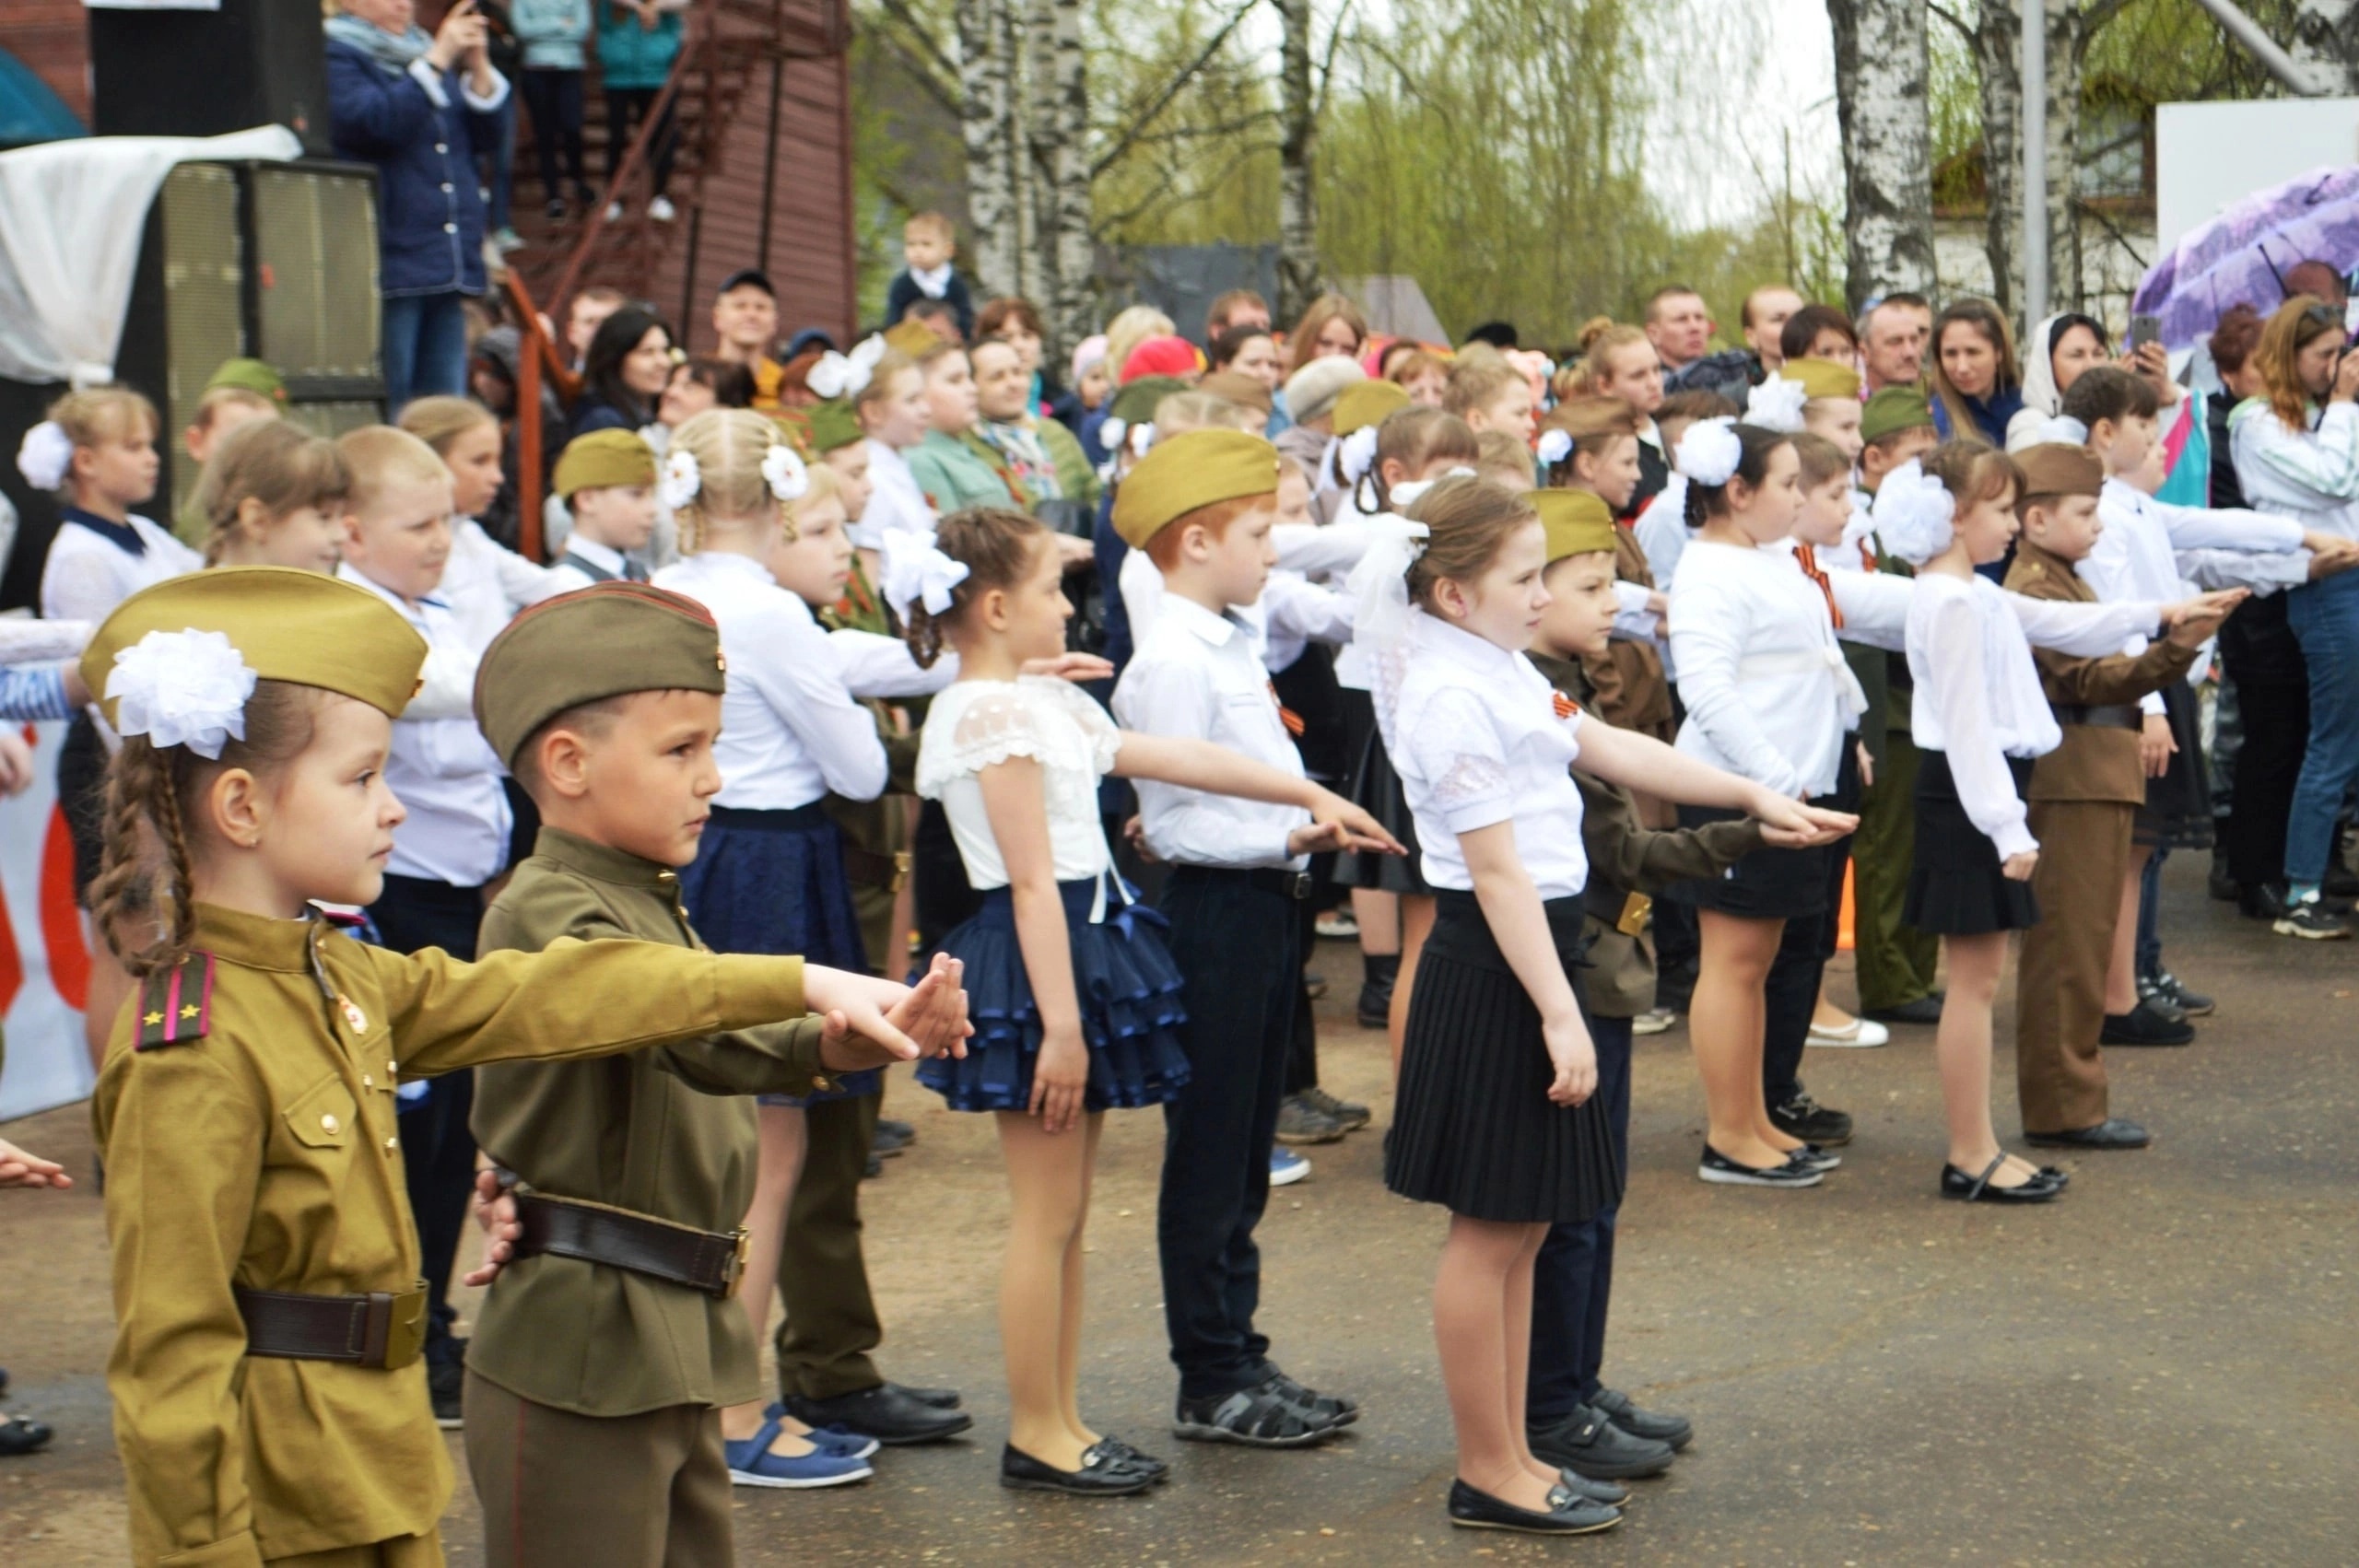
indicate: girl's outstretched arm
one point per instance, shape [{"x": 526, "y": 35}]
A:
[
  {"x": 1217, "y": 771},
  {"x": 1641, "y": 762}
]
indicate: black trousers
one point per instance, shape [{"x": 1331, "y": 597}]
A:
[
  {"x": 831, "y": 1323},
  {"x": 554, "y": 101},
  {"x": 1237, "y": 942},
  {"x": 1789, "y": 995},
  {"x": 1572, "y": 1281},
  {"x": 1302, "y": 1050},
  {"x": 626, "y": 107},
  {"x": 438, "y": 1152},
  {"x": 2274, "y": 700}
]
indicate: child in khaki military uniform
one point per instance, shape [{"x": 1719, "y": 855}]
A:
[{"x": 270, "y": 1406}]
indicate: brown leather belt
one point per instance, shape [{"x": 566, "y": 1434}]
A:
[
  {"x": 1628, "y": 913},
  {"x": 709, "y": 1262},
  {"x": 379, "y": 1330},
  {"x": 2111, "y": 715},
  {"x": 865, "y": 868}
]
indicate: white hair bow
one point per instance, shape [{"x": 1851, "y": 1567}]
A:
[
  {"x": 46, "y": 455},
  {"x": 1914, "y": 514},
  {"x": 1709, "y": 451},
  {"x": 1407, "y": 493},
  {"x": 782, "y": 470},
  {"x": 845, "y": 375},
  {"x": 1775, "y": 404},
  {"x": 1358, "y": 454},
  {"x": 916, "y": 571},
  {"x": 1555, "y": 445},
  {"x": 682, "y": 478},
  {"x": 185, "y": 688}
]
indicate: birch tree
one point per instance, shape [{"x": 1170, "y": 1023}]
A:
[
  {"x": 988, "y": 88},
  {"x": 1882, "y": 68},
  {"x": 1298, "y": 196},
  {"x": 1072, "y": 303},
  {"x": 2326, "y": 42}
]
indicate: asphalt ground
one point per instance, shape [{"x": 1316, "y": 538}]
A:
[{"x": 2157, "y": 1369}]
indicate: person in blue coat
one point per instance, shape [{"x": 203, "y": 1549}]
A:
[{"x": 421, "y": 110}]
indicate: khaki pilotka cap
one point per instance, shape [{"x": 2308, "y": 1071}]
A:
[
  {"x": 597, "y": 642},
  {"x": 1369, "y": 403},
  {"x": 1196, "y": 469},
  {"x": 602, "y": 460},
  {"x": 2055, "y": 468},
  {"x": 1893, "y": 410},
  {"x": 306, "y": 628},
  {"x": 1576, "y": 522}
]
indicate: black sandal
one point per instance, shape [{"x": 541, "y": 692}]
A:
[{"x": 1265, "y": 1416}]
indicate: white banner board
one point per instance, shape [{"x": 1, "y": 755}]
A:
[{"x": 44, "y": 963}]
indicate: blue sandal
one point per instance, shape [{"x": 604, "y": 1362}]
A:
[{"x": 751, "y": 1463}]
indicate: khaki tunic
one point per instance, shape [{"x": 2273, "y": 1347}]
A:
[
  {"x": 667, "y": 1132},
  {"x": 265, "y": 1153}
]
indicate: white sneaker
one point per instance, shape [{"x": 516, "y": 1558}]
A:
[
  {"x": 1286, "y": 1167},
  {"x": 614, "y": 212},
  {"x": 1860, "y": 1034},
  {"x": 661, "y": 210},
  {"x": 1654, "y": 1021}
]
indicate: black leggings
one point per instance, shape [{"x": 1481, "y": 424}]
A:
[
  {"x": 554, "y": 101},
  {"x": 626, "y": 107}
]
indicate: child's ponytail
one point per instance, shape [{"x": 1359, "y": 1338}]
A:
[{"x": 995, "y": 546}]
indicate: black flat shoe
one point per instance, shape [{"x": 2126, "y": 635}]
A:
[
  {"x": 1658, "y": 1426},
  {"x": 1589, "y": 1442},
  {"x": 1612, "y": 1493},
  {"x": 887, "y": 1412},
  {"x": 1955, "y": 1183},
  {"x": 1925, "y": 1009},
  {"x": 2111, "y": 1134},
  {"x": 2145, "y": 1025},
  {"x": 1102, "y": 1474},
  {"x": 1136, "y": 1458},
  {"x": 19, "y": 1435},
  {"x": 1717, "y": 1168},
  {"x": 1566, "y": 1514}
]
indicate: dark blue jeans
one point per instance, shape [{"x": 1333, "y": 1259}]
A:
[
  {"x": 2325, "y": 618},
  {"x": 1573, "y": 1279},
  {"x": 426, "y": 347}
]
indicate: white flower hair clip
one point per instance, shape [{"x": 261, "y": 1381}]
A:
[
  {"x": 782, "y": 470},
  {"x": 1358, "y": 454},
  {"x": 1141, "y": 438},
  {"x": 917, "y": 572},
  {"x": 1775, "y": 404},
  {"x": 845, "y": 375},
  {"x": 1709, "y": 451},
  {"x": 1555, "y": 445},
  {"x": 682, "y": 478},
  {"x": 185, "y": 688},
  {"x": 1914, "y": 514},
  {"x": 45, "y": 456},
  {"x": 1111, "y": 431}
]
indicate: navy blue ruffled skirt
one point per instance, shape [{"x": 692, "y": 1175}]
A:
[
  {"x": 1131, "y": 1012},
  {"x": 774, "y": 881}
]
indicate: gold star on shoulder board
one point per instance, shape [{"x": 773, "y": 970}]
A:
[
  {"x": 189, "y": 1012},
  {"x": 152, "y": 1018}
]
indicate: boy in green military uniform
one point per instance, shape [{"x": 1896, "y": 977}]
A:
[
  {"x": 603, "y": 1356},
  {"x": 270, "y": 1402}
]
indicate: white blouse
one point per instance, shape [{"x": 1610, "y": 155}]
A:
[
  {"x": 791, "y": 728},
  {"x": 1978, "y": 697},
  {"x": 895, "y": 499},
  {"x": 485, "y": 582},
  {"x": 1478, "y": 739},
  {"x": 979, "y": 724},
  {"x": 87, "y": 574},
  {"x": 1767, "y": 691}
]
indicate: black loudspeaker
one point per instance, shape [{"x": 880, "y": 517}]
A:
[{"x": 203, "y": 73}]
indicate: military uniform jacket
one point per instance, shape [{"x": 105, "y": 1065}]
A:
[
  {"x": 250, "y": 1140},
  {"x": 1625, "y": 858},
  {"x": 666, "y": 1131},
  {"x": 2095, "y": 762},
  {"x": 1627, "y": 684}
]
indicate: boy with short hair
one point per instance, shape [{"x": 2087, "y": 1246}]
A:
[
  {"x": 606, "y": 1349},
  {"x": 2084, "y": 796},
  {"x": 607, "y": 481},
  {"x": 1574, "y": 1420},
  {"x": 240, "y": 391},
  {"x": 1200, "y": 505},
  {"x": 454, "y": 842},
  {"x": 928, "y": 243}
]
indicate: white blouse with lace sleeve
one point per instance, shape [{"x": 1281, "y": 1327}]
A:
[{"x": 979, "y": 724}]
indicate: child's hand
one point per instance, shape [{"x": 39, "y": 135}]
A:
[
  {"x": 2155, "y": 745},
  {"x": 1867, "y": 765},
  {"x": 16, "y": 761},
  {"x": 2018, "y": 868},
  {"x": 1074, "y": 667},
  {"x": 1074, "y": 551},
  {"x": 1059, "y": 1077},
  {"x": 2192, "y": 622},
  {"x": 1574, "y": 1057},
  {"x": 19, "y": 1167},
  {"x": 932, "y": 1013},
  {"x": 1792, "y": 825},
  {"x": 1361, "y": 831},
  {"x": 856, "y": 1004},
  {"x": 1317, "y": 838},
  {"x": 1134, "y": 835},
  {"x": 495, "y": 1211}
]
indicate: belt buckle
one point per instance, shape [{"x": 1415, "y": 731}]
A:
[
  {"x": 1637, "y": 911},
  {"x": 1298, "y": 885},
  {"x": 735, "y": 1271},
  {"x": 406, "y": 1319},
  {"x": 900, "y": 880}
]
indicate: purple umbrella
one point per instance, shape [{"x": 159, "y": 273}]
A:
[{"x": 2242, "y": 255}]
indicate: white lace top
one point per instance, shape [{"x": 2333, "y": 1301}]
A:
[{"x": 976, "y": 724}]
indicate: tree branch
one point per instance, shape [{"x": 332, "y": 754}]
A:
[
  {"x": 936, "y": 60},
  {"x": 1964, "y": 31},
  {"x": 1327, "y": 59},
  {"x": 1170, "y": 90},
  {"x": 919, "y": 71}
]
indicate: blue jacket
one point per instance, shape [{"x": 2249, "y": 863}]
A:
[
  {"x": 630, "y": 56},
  {"x": 429, "y": 199}
]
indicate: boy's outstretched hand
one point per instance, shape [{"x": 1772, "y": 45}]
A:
[
  {"x": 1360, "y": 831},
  {"x": 21, "y": 1167},
  {"x": 872, "y": 1023}
]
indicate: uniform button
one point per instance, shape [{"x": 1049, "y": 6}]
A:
[
  {"x": 447, "y": 187},
  {"x": 391, "y": 1068},
  {"x": 450, "y": 228},
  {"x": 393, "y": 1142},
  {"x": 329, "y": 1124},
  {"x": 367, "y": 1081},
  {"x": 442, "y": 147}
]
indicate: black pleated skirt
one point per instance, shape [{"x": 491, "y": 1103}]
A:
[
  {"x": 2178, "y": 812},
  {"x": 1473, "y": 1126},
  {"x": 1378, "y": 789},
  {"x": 1955, "y": 887}
]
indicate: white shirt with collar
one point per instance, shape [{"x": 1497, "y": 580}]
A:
[
  {"x": 979, "y": 724},
  {"x": 86, "y": 574},
  {"x": 895, "y": 499},
  {"x": 485, "y": 582},
  {"x": 587, "y": 563},
  {"x": 933, "y": 282},
  {"x": 1200, "y": 676},
  {"x": 1767, "y": 691},
  {"x": 1478, "y": 739},
  {"x": 440, "y": 766},
  {"x": 791, "y": 728}
]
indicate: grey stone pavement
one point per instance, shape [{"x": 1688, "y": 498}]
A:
[{"x": 2158, "y": 1369}]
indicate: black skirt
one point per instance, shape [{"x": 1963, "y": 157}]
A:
[
  {"x": 1955, "y": 887},
  {"x": 1378, "y": 789},
  {"x": 2178, "y": 812},
  {"x": 1473, "y": 1126}
]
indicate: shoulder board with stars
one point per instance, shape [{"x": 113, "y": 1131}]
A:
[{"x": 176, "y": 1005}]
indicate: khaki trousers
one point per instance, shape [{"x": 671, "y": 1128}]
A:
[
  {"x": 566, "y": 1490},
  {"x": 407, "y": 1551},
  {"x": 2060, "y": 989},
  {"x": 1895, "y": 960}
]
